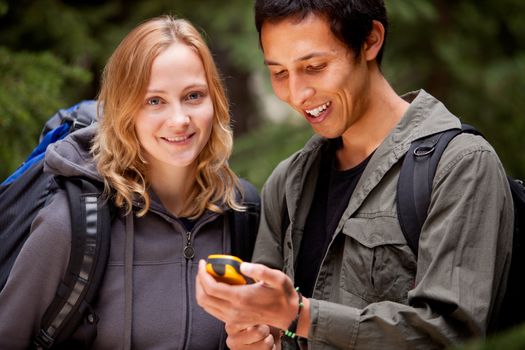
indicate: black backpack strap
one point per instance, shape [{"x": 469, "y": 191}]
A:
[
  {"x": 90, "y": 243},
  {"x": 414, "y": 186},
  {"x": 512, "y": 312},
  {"x": 244, "y": 224}
]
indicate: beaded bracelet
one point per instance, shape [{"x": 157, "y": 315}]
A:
[{"x": 290, "y": 332}]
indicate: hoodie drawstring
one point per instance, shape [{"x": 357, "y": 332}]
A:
[{"x": 128, "y": 281}]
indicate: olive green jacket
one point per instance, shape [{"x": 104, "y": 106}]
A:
[{"x": 371, "y": 292}]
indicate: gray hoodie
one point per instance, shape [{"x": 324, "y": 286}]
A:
[{"x": 147, "y": 273}]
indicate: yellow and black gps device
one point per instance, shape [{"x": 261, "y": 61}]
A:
[{"x": 227, "y": 269}]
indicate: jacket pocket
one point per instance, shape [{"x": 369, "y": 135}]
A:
[{"x": 377, "y": 263}]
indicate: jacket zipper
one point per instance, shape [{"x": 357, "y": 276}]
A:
[{"x": 189, "y": 253}]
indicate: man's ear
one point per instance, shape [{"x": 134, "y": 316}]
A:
[{"x": 374, "y": 41}]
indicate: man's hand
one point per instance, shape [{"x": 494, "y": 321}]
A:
[
  {"x": 251, "y": 338},
  {"x": 272, "y": 300}
]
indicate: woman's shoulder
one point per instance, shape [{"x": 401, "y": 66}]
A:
[{"x": 51, "y": 228}]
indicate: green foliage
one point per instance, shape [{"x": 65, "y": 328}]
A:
[
  {"x": 228, "y": 27},
  {"x": 468, "y": 53},
  {"x": 255, "y": 154},
  {"x": 513, "y": 339},
  {"x": 33, "y": 87},
  {"x": 3, "y": 8},
  {"x": 471, "y": 55}
]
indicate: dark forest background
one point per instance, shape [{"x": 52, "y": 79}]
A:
[{"x": 468, "y": 53}]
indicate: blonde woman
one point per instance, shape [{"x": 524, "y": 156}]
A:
[{"x": 160, "y": 148}]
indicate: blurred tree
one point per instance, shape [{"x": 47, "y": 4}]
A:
[
  {"x": 512, "y": 339},
  {"x": 471, "y": 55},
  {"x": 33, "y": 87},
  {"x": 468, "y": 53}
]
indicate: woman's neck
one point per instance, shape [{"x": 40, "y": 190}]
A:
[{"x": 173, "y": 186}]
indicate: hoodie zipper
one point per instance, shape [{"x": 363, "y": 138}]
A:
[{"x": 189, "y": 253}]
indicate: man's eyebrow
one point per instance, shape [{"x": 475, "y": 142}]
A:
[{"x": 302, "y": 58}]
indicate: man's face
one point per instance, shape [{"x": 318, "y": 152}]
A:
[{"x": 315, "y": 73}]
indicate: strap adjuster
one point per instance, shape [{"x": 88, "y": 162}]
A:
[{"x": 43, "y": 340}]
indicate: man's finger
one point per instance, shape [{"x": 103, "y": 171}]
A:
[
  {"x": 254, "y": 337},
  {"x": 271, "y": 277}
]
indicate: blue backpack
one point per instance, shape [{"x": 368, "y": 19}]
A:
[
  {"x": 28, "y": 189},
  {"x": 413, "y": 199}
]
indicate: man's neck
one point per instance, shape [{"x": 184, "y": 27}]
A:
[{"x": 385, "y": 110}]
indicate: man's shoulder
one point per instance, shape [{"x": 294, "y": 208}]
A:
[
  {"x": 474, "y": 151},
  {"x": 299, "y": 158}
]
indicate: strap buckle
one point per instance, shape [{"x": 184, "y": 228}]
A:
[{"x": 43, "y": 340}]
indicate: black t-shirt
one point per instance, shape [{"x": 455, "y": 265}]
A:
[
  {"x": 189, "y": 224},
  {"x": 332, "y": 193}
]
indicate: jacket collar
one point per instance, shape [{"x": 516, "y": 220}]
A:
[{"x": 425, "y": 116}]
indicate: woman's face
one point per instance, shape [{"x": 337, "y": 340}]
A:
[{"x": 175, "y": 121}]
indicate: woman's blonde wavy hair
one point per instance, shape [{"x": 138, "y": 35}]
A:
[{"x": 116, "y": 147}]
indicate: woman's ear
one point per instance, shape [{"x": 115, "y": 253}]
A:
[{"x": 374, "y": 41}]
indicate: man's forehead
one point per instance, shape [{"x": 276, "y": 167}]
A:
[{"x": 291, "y": 40}]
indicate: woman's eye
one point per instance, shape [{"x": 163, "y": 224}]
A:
[
  {"x": 195, "y": 95},
  {"x": 154, "y": 101}
]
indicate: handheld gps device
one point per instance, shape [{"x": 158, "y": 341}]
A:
[{"x": 227, "y": 269}]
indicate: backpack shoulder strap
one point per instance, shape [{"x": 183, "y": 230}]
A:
[
  {"x": 90, "y": 243},
  {"x": 414, "y": 186},
  {"x": 244, "y": 224}
]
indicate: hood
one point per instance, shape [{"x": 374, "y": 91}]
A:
[{"x": 71, "y": 157}]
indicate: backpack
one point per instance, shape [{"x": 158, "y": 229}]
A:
[
  {"x": 414, "y": 189},
  {"x": 28, "y": 190}
]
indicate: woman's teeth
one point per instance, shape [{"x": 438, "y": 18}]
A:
[{"x": 176, "y": 138}]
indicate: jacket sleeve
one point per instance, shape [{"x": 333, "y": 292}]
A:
[
  {"x": 464, "y": 257},
  {"x": 268, "y": 246},
  {"x": 35, "y": 275}
]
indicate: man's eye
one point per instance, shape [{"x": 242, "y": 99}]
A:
[
  {"x": 316, "y": 68},
  {"x": 154, "y": 101},
  {"x": 280, "y": 74}
]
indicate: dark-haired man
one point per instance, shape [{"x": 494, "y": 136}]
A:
[{"x": 329, "y": 218}]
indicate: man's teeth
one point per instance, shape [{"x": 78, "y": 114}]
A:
[
  {"x": 176, "y": 138},
  {"x": 318, "y": 110}
]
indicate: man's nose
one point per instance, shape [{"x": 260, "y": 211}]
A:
[{"x": 299, "y": 90}]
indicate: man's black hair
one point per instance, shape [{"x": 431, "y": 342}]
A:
[{"x": 350, "y": 20}]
